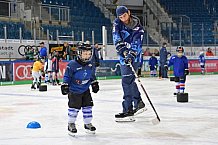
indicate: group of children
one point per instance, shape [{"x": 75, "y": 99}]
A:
[
  {"x": 47, "y": 68},
  {"x": 78, "y": 78}
]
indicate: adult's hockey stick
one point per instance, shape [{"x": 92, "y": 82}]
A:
[{"x": 157, "y": 119}]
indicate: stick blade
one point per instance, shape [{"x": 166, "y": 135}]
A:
[{"x": 155, "y": 121}]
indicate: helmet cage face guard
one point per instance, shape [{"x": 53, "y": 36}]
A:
[
  {"x": 180, "y": 51},
  {"x": 84, "y": 53}
]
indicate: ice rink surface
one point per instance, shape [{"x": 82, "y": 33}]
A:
[{"x": 192, "y": 123}]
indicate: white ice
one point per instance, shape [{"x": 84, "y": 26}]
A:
[{"x": 192, "y": 123}]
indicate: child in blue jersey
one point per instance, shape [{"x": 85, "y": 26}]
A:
[
  {"x": 76, "y": 82},
  {"x": 153, "y": 65},
  {"x": 180, "y": 69},
  {"x": 202, "y": 62},
  {"x": 127, "y": 38}
]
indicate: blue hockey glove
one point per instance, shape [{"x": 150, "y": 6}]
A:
[
  {"x": 121, "y": 49},
  {"x": 130, "y": 57},
  {"x": 95, "y": 86},
  {"x": 186, "y": 71},
  {"x": 64, "y": 89}
]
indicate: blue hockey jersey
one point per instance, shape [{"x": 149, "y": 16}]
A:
[
  {"x": 179, "y": 65},
  {"x": 78, "y": 77},
  {"x": 202, "y": 59},
  {"x": 152, "y": 62},
  {"x": 132, "y": 36}
]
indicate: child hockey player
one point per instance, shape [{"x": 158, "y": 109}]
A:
[
  {"x": 153, "y": 65},
  {"x": 180, "y": 69},
  {"x": 36, "y": 73},
  {"x": 55, "y": 68},
  {"x": 48, "y": 69},
  {"x": 76, "y": 82},
  {"x": 202, "y": 62}
]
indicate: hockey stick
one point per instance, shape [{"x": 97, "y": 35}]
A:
[{"x": 156, "y": 120}]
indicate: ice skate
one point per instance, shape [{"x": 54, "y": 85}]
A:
[
  {"x": 125, "y": 117},
  {"x": 140, "y": 109},
  {"x": 33, "y": 87},
  {"x": 38, "y": 84},
  {"x": 58, "y": 82},
  {"x": 89, "y": 128},
  {"x": 72, "y": 129}
]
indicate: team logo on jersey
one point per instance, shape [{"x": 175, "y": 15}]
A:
[
  {"x": 85, "y": 74},
  {"x": 90, "y": 65}
]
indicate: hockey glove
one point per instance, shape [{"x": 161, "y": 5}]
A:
[
  {"x": 121, "y": 49},
  {"x": 64, "y": 89},
  {"x": 95, "y": 86},
  {"x": 166, "y": 67},
  {"x": 130, "y": 57},
  {"x": 186, "y": 71}
]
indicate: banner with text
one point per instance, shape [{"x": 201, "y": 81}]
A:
[{"x": 6, "y": 71}]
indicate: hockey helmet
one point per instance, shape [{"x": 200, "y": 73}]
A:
[
  {"x": 84, "y": 52},
  {"x": 180, "y": 49},
  {"x": 201, "y": 53}
]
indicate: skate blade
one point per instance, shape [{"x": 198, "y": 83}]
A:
[
  {"x": 126, "y": 119},
  {"x": 140, "y": 111},
  {"x": 72, "y": 134},
  {"x": 89, "y": 131}
]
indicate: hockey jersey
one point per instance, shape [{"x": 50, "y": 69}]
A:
[
  {"x": 202, "y": 60},
  {"x": 37, "y": 66},
  {"x": 152, "y": 62},
  {"x": 132, "y": 36},
  {"x": 48, "y": 65},
  {"x": 179, "y": 65},
  {"x": 78, "y": 76}
]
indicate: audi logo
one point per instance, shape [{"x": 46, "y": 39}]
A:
[
  {"x": 24, "y": 49},
  {"x": 23, "y": 72}
]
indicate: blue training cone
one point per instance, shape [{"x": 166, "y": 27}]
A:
[{"x": 33, "y": 125}]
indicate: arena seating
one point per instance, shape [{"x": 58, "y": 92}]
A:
[
  {"x": 200, "y": 16},
  {"x": 13, "y": 30},
  {"x": 85, "y": 16}
]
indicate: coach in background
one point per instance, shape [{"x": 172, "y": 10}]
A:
[
  {"x": 43, "y": 51},
  {"x": 163, "y": 60}
]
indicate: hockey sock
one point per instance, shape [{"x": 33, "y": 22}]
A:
[
  {"x": 46, "y": 77},
  {"x": 182, "y": 87},
  {"x": 177, "y": 87},
  {"x": 72, "y": 115},
  {"x": 87, "y": 114}
]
